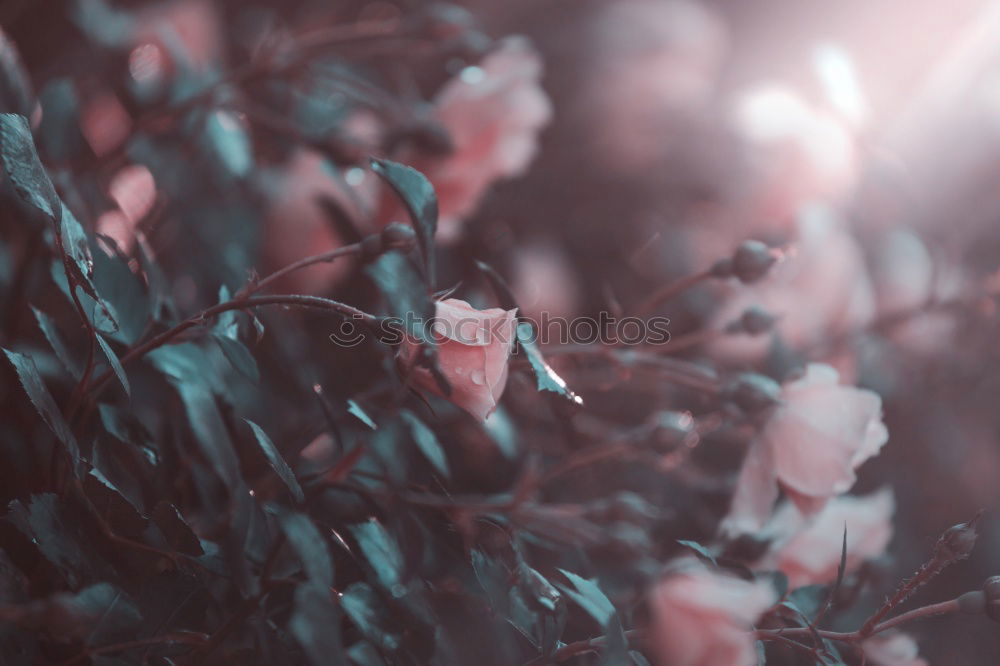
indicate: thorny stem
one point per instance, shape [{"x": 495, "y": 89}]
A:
[
  {"x": 680, "y": 372},
  {"x": 932, "y": 610},
  {"x": 783, "y": 634},
  {"x": 668, "y": 291},
  {"x": 954, "y": 545},
  {"x": 234, "y": 304},
  {"x": 182, "y": 638},
  {"x": 581, "y": 647},
  {"x": 326, "y": 257}
]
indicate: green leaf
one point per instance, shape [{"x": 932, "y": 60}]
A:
[
  {"x": 25, "y": 172},
  {"x": 701, "y": 550},
  {"x": 315, "y": 625},
  {"x": 118, "y": 511},
  {"x": 239, "y": 356},
  {"x": 365, "y": 609},
  {"x": 409, "y": 301},
  {"x": 44, "y": 522},
  {"x": 185, "y": 365},
  {"x": 427, "y": 442},
  {"x": 123, "y": 295},
  {"x": 381, "y": 552},
  {"x": 115, "y": 364},
  {"x": 589, "y": 596},
  {"x": 545, "y": 377},
  {"x": 175, "y": 529},
  {"x": 405, "y": 293},
  {"x": 277, "y": 463},
  {"x": 229, "y": 142},
  {"x": 43, "y": 402},
  {"x": 418, "y": 196},
  {"x": 310, "y": 546},
  {"x": 51, "y": 333},
  {"x": 355, "y": 409},
  {"x": 97, "y": 614},
  {"x": 808, "y": 599}
]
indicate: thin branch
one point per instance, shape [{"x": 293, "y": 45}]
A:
[
  {"x": 326, "y": 257},
  {"x": 236, "y": 304},
  {"x": 932, "y": 610},
  {"x": 669, "y": 291}
]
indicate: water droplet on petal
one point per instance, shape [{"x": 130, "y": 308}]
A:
[{"x": 478, "y": 377}]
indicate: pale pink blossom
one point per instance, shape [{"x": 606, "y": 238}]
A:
[
  {"x": 820, "y": 288},
  {"x": 654, "y": 71},
  {"x": 797, "y": 153},
  {"x": 810, "y": 447},
  {"x": 133, "y": 188},
  {"x": 473, "y": 348},
  {"x": 906, "y": 279},
  {"x": 704, "y": 618},
  {"x": 493, "y": 114},
  {"x": 808, "y": 550},
  {"x": 190, "y": 29},
  {"x": 105, "y": 123},
  {"x": 296, "y": 225},
  {"x": 544, "y": 283},
  {"x": 892, "y": 649}
]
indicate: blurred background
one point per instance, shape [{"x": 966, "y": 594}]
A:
[{"x": 862, "y": 137}]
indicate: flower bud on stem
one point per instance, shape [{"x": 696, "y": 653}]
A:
[{"x": 955, "y": 544}]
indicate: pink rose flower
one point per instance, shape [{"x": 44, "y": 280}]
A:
[
  {"x": 892, "y": 649},
  {"x": 809, "y": 448},
  {"x": 474, "y": 348},
  {"x": 704, "y": 618},
  {"x": 493, "y": 113},
  {"x": 808, "y": 551}
]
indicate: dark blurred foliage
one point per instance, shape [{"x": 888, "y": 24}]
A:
[{"x": 148, "y": 522}]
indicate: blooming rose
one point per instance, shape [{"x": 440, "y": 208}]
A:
[
  {"x": 809, "y": 447},
  {"x": 704, "y": 618},
  {"x": 473, "y": 351},
  {"x": 892, "y": 649},
  {"x": 808, "y": 551},
  {"x": 493, "y": 113}
]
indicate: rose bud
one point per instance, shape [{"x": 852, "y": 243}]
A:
[
  {"x": 752, "y": 321},
  {"x": 752, "y": 392},
  {"x": 752, "y": 260},
  {"x": 473, "y": 350},
  {"x": 957, "y": 542}
]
